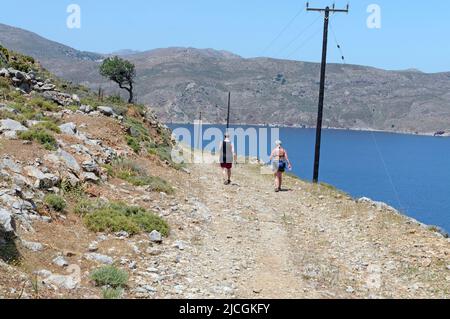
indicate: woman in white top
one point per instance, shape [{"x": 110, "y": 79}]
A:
[{"x": 280, "y": 161}]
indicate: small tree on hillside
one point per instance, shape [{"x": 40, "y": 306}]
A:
[{"x": 120, "y": 71}]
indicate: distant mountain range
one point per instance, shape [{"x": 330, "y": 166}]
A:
[{"x": 181, "y": 82}]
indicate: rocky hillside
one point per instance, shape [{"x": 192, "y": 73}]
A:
[
  {"x": 181, "y": 82},
  {"x": 84, "y": 188},
  {"x": 60, "y": 59},
  {"x": 92, "y": 206}
]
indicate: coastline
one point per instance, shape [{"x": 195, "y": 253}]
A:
[{"x": 440, "y": 231}]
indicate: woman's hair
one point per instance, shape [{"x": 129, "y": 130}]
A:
[{"x": 278, "y": 143}]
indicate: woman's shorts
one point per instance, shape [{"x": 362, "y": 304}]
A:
[
  {"x": 276, "y": 167},
  {"x": 226, "y": 165}
]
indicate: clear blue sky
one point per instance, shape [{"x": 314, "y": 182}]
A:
[{"x": 414, "y": 34}]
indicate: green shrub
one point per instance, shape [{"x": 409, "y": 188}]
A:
[
  {"x": 109, "y": 220},
  {"x": 112, "y": 293},
  {"x": 115, "y": 99},
  {"x": 20, "y": 65},
  {"x": 134, "y": 144},
  {"x": 137, "y": 133},
  {"x": 150, "y": 222},
  {"x": 115, "y": 217},
  {"x": 48, "y": 125},
  {"x": 138, "y": 128},
  {"x": 21, "y": 62},
  {"x": 42, "y": 136},
  {"x": 110, "y": 276},
  {"x": 75, "y": 193},
  {"x": 42, "y": 104},
  {"x": 55, "y": 202}
]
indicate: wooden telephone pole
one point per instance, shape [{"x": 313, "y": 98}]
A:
[
  {"x": 327, "y": 11},
  {"x": 229, "y": 109}
]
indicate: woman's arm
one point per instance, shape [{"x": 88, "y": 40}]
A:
[
  {"x": 287, "y": 159},
  {"x": 235, "y": 157},
  {"x": 272, "y": 155}
]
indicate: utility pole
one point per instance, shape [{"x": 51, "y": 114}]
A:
[
  {"x": 327, "y": 11},
  {"x": 200, "y": 132},
  {"x": 229, "y": 107}
]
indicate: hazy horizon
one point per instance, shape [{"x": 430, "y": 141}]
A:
[{"x": 250, "y": 29}]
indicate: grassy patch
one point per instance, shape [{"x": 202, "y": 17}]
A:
[
  {"x": 156, "y": 184},
  {"x": 332, "y": 189},
  {"x": 55, "y": 202},
  {"x": 110, "y": 276},
  {"x": 40, "y": 135},
  {"x": 32, "y": 109},
  {"x": 134, "y": 144},
  {"x": 438, "y": 230},
  {"x": 137, "y": 133},
  {"x": 112, "y": 293},
  {"x": 43, "y": 105},
  {"x": 164, "y": 153},
  {"x": 5, "y": 84},
  {"x": 85, "y": 206},
  {"x": 48, "y": 125},
  {"x": 115, "y": 217},
  {"x": 136, "y": 175}
]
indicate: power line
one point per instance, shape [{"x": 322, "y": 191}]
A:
[
  {"x": 337, "y": 43},
  {"x": 375, "y": 141},
  {"x": 304, "y": 43},
  {"x": 298, "y": 36},
  {"x": 283, "y": 30}
]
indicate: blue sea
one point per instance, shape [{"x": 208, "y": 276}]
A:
[{"x": 410, "y": 173}]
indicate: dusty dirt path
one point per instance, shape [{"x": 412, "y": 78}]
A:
[
  {"x": 249, "y": 242},
  {"x": 309, "y": 242}
]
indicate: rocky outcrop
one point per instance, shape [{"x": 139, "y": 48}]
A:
[
  {"x": 106, "y": 110},
  {"x": 10, "y": 128},
  {"x": 7, "y": 225},
  {"x": 28, "y": 82},
  {"x": 68, "y": 128},
  {"x": 62, "y": 99},
  {"x": 8, "y": 235}
]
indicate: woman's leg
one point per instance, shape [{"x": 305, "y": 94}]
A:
[
  {"x": 280, "y": 180},
  {"x": 276, "y": 180},
  {"x": 224, "y": 173},
  {"x": 229, "y": 175}
]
